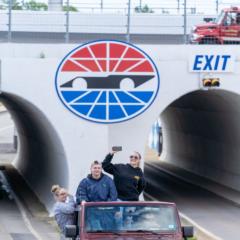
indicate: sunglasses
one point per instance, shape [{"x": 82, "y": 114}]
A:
[{"x": 135, "y": 157}]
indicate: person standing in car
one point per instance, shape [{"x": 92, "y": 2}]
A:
[
  {"x": 63, "y": 209},
  {"x": 96, "y": 187},
  {"x": 128, "y": 178}
]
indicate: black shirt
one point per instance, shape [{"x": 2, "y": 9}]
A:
[{"x": 129, "y": 181}]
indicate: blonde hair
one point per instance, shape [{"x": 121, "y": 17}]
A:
[
  {"x": 55, "y": 189},
  {"x": 139, "y": 155}
]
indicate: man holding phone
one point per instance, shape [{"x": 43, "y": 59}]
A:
[{"x": 128, "y": 178}]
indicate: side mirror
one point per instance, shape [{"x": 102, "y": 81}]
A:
[
  {"x": 208, "y": 19},
  {"x": 187, "y": 231},
  {"x": 70, "y": 231}
]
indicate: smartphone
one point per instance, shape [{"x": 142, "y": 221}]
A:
[{"x": 117, "y": 148}]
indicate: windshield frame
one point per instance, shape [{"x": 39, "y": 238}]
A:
[
  {"x": 140, "y": 231},
  {"x": 220, "y": 18}
]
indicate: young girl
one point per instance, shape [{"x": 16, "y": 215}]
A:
[{"x": 64, "y": 208}]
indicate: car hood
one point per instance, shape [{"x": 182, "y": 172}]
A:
[
  {"x": 145, "y": 237},
  {"x": 206, "y": 25}
]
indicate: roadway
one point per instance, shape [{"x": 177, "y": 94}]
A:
[
  {"x": 7, "y": 151},
  {"x": 6, "y": 128},
  {"x": 11, "y": 223},
  {"x": 213, "y": 213},
  {"x": 22, "y": 216},
  {"x": 17, "y": 222}
]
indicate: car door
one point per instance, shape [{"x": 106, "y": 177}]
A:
[{"x": 230, "y": 30}]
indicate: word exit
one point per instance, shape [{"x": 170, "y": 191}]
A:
[{"x": 212, "y": 63}]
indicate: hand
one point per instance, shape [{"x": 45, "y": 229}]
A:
[
  {"x": 118, "y": 215},
  {"x": 113, "y": 152}
]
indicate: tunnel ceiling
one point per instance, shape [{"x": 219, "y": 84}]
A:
[{"x": 201, "y": 133}]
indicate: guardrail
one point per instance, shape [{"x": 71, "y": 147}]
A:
[
  {"x": 99, "y": 23},
  {"x": 100, "y": 17}
]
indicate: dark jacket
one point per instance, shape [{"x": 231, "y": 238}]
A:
[
  {"x": 129, "y": 181},
  {"x": 96, "y": 190}
]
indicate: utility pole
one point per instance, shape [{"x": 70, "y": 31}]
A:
[
  {"x": 67, "y": 24},
  {"x": 101, "y": 5},
  {"x": 217, "y": 5},
  {"x": 178, "y": 6},
  {"x": 185, "y": 21},
  {"x": 128, "y": 21},
  {"x": 9, "y": 20}
]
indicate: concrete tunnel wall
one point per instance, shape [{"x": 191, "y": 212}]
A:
[
  {"x": 30, "y": 95},
  {"x": 41, "y": 159},
  {"x": 202, "y": 134}
]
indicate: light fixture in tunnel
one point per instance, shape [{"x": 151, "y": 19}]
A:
[{"x": 211, "y": 82}]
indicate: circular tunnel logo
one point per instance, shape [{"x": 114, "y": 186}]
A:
[{"x": 107, "y": 81}]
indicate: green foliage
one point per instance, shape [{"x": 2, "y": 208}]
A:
[
  {"x": 69, "y": 8},
  {"x": 35, "y": 6},
  {"x": 144, "y": 9},
  {"x": 31, "y": 5},
  {"x": 15, "y": 5}
]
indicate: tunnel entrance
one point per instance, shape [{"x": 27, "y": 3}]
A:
[
  {"x": 201, "y": 132},
  {"x": 40, "y": 158},
  {"x": 8, "y": 137}
]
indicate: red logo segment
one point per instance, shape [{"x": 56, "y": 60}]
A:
[{"x": 95, "y": 58}]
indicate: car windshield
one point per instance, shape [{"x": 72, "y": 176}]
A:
[
  {"x": 130, "y": 218},
  {"x": 220, "y": 17}
]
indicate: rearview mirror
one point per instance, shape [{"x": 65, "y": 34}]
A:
[{"x": 187, "y": 231}]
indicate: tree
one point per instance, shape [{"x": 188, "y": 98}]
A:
[
  {"x": 69, "y": 8},
  {"x": 35, "y": 6},
  {"x": 15, "y": 5},
  {"x": 144, "y": 9}
]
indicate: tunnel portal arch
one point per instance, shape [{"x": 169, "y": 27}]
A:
[
  {"x": 41, "y": 158},
  {"x": 201, "y": 134}
]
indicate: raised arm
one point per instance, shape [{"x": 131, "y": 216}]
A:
[{"x": 107, "y": 165}]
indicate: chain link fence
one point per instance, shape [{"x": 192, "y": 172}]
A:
[{"x": 137, "y": 21}]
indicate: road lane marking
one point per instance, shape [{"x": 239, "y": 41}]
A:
[
  {"x": 200, "y": 228},
  {"x": 211, "y": 235},
  {"x": 21, "y": 209}
]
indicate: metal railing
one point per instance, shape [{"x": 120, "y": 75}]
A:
[{"x": 131, "y": 20}]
